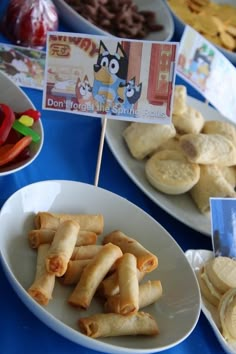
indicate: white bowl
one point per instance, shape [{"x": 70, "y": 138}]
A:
[
  {"x": 197, "y": 258},
  {"x": 15, "y": 97},
  {"x": 80, "y": 24},
  {"x": 180, "y": 25},
  {"x": 176, "y": 312}
]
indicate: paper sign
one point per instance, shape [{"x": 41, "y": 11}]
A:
[
  {"x": 223, "y": 222},
  {"x": 105, "y": 76},
  {"x": 208, "y": 70},
  {"x": 24, "y": 66}
]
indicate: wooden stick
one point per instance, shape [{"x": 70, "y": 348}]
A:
[{"x": 99, "y": 159}]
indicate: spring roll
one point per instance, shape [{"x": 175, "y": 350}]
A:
[
  {"x": 128, "y": 284},
  {"x": 110, "y": 285},
  {"x": 113, "y": 324},
  {"x": 43, "y": 285},
  {"x": 208, "y": 149},
  {"x": 146, "y": 261},
  {"x": 74, "y": 271},
  {"x": 62, "y": 247},
  {"x": 212, "y": 183},
  {"x": 149, "y": 293},
  {"x": 93, "y": 274},
  {"x": 89, "y": 222},
  {"x": 39, "y": 236},
  {"x": 85, "y": 252}
]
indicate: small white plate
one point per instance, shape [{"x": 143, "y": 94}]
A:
[
  {"x": 80, "y": 24},
  {"x": 178, "y": 310},
  {"x": 179, "y": 206},
  {"x": 197, "y": 258}
]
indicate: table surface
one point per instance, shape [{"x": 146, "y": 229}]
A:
[{"x": 70, "y": 153}]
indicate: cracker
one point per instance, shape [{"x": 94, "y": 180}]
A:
[{"x": 227, "y": 41}]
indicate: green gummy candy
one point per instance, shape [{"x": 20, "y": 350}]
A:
[{"x": 21, "y": 128}]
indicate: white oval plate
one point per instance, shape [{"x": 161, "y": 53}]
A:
[
  {"x": 80, "y": 24},
  {"x": 178, "y": 310},
  {"x": 197, "y": 258},
  {"x": 180, "y": 206}
]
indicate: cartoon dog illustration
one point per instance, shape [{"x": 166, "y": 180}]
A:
[
  {"x": 127, "y": 95},
  {"x": 83, "y": 93},
  {"x": 109, "y": 72}
]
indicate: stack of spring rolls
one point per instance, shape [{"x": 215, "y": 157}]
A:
[{"x": 114, "y": 269}]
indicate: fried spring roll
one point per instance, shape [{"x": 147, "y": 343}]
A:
[
  {"x": 85, "y": 252},
  {"x": 146, "y": 261},
  {"x": 43, "y": 285},
  {"x": 93, "y": 274},
  {"x": 113, "y": 324},
  {"x": 89, "y": 222},
  {"x": 73, "y": 271},
  {"x": 40, "y": 236},
  {"x": 110, "y": 285},
  {"x": 149, "y": 293},
  {"x": 128, "y": 284},
  {"x": 62, "y": 247}
]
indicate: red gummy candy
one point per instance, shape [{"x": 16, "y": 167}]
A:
[{"x": 33, "y": 113}]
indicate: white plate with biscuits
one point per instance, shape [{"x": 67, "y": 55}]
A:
[
  {"x": 197, "y": 259},
  {"x": 104, "y": 212},
  {"x": 179, "y": 206}
]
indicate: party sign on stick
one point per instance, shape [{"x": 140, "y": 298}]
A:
[
  {"x": 204, "y": 67},
  {"x": 109, "y": 77}
]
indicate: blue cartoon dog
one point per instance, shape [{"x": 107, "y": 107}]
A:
[
  {"x": 127, "y": 95},
  {"x": 109, "y": 72}
]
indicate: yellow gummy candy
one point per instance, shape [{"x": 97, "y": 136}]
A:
[{"x": 26, "y": 120}]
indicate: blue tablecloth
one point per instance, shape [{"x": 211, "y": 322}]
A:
[{"x": 70, "y": 152}]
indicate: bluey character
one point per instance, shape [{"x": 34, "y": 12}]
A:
[
  {"x": 84, "y": 95},
  {"x": 109, "y": 72},
  {"x": 127, "y": 95}
]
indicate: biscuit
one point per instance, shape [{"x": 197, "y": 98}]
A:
[
  {"x": 231, "y": 30},
  {"x": 171, "y": 173},
  {"x": 227, "y": 41},
  {"x": 221, "y": 272},
  {"x": 227, "y": 314},
  {"x": 210, "y": 293}
]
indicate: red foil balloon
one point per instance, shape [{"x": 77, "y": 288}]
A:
[{"x": 26, "y": 22}]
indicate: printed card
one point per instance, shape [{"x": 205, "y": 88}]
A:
[
  {"x": 105, "y": 76},
  {"x": 223, "y": 222},
  {"x": 209, "y": 71},
  {"x": 25, "y": 66}
]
